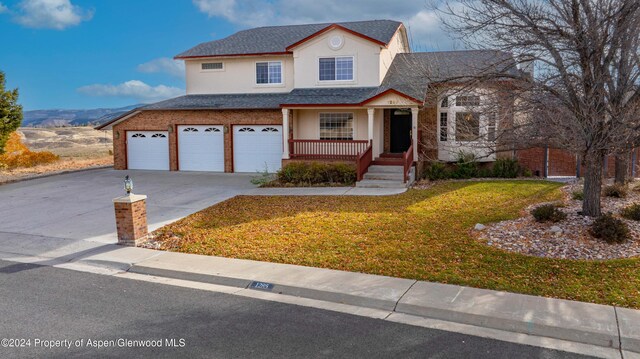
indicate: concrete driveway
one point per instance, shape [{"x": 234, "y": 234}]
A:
[{"x": 79, "y": 205}]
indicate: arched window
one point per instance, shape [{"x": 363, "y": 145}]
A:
[
  {"x": 247, "y": 129},
  {"x": 212, "y": 129},
  {"x": 156, "y": 135},
  {"x": 269, "y": 129},
  {"x": 445, "y": 102},
  {"x": 138, "y": 135},
  {"x": 190, "y": 129}
]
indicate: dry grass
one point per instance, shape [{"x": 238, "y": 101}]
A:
[
  {"x": 77, "y": 148},
  {"x": 422, "y": 234}
]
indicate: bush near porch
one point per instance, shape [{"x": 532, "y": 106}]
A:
[
  {"x": 421, "y": 234},
  {"x": 302, "y": 174}
]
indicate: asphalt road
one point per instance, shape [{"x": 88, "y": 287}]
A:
[{"x": 41, "y": 304}]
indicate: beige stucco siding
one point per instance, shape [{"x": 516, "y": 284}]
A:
[
  {"x": 366, "y": 60},
  {"x": 396, "y": 45},
  {"x": 237, "y": 76}
]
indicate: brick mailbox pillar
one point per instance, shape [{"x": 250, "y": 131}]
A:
[{"x": 131, "y": 219}]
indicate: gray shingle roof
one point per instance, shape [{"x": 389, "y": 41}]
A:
[
  {"x": 220, "y": 102},
  {"x": 411, "y": 73},
  {"x": 276, "y": 39},
  {"x": 341, "y": 96}
]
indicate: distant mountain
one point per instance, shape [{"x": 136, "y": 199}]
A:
[{"x": 62, "y": 118}]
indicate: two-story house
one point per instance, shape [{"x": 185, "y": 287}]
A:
[{"x": 349, "y": 91}]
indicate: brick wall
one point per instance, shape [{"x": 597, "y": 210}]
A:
[
  {"x": 562, "y": 162},
  {"x": 169, "y": 120},
  {"x": 131, "y": 221}
]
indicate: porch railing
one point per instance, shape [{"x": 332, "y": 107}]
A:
[
  {"x": 364, "y": 161},
  {"x": 327, "y": 149},
  {"x": 407, "y": 159}
]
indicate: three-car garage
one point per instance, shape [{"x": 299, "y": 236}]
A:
[{"x": 254, "y": 148}]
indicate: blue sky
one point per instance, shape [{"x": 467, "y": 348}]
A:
[{"x": 112, "y": 53}]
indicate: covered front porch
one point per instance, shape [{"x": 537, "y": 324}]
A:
[{"x": 381, "y": 134}]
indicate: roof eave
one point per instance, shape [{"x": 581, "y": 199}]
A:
[
  {"x": 332, "y": 27},
  {"x": 178, "y": 57}
]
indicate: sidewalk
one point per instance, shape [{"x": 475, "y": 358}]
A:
[
  {"x": 324, "y": 191},
  {"x": 600, "y": 325}
]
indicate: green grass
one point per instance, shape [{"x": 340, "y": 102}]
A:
[{"x": 421, "y": 234}]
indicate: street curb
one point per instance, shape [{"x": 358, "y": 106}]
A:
[
  {"x": 327, "y": 296},
  {"x": 573, "y": 335},
  {"x": 525, "y": 327}
]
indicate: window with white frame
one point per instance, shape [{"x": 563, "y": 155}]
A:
[
  {"x": 492, "y": 124},
  {"x": 269, "y": 72},
  {"x": 336, "y": 68},
  {"x": 336, "y": 126},
  {"x": 467, "y": 100},
  {"x": 212, "y": 66},
  {"x": 467, "y": 126},
  {"x": 443, "y": 126}
]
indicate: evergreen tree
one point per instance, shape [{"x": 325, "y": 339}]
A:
[{"x": 10, "y": 112}]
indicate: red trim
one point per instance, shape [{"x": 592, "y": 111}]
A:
[
  {"x": 321, "y": 105},
  {"x": 175, "y": 133},
  {"x": 232, "y": 55},
  {"x": 353, "y": 104},
  {"x": 392, "y": 91},
  {"x": 332, "y": 27}
]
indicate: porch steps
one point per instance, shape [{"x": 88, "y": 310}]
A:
[
  {"x": 387, "y": 161},
  {"x": 385, "y": 177}
]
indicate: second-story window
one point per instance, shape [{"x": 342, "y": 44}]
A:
[
  {"x": 336, "y": 68},
  {"x": 269, "y": 72}
]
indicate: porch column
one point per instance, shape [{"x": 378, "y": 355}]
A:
[
  {"x": 285, "y": 133},
  {"x": 414, "y": 131},
  {"x": 370, "y": 113}
]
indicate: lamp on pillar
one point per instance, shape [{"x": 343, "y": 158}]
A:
[
  {"x": 128, "y": 184},
  {"x": 131, "y": 216}
]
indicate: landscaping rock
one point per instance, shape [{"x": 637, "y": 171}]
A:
[
  {"x": 567, "y": 239},
  {"x": 555, "y": 229},
  {"x": 480, "y": 227}
]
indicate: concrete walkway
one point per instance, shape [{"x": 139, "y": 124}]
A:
[
  {"x": 599, "y": 325},
  {"x": 325, "y": 191}
]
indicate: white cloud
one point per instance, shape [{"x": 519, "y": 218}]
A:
[
  {"x": 51, "y": 14},
  {"x": 422, "y": 22},
  {"x": 134, "y": 89},
  {"x": 3, "y": 8},
  {"x": 163, "y": 65}
]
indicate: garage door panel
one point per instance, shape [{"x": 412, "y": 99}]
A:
[
  {"x": 256, "y": 148},
  {"x": 201, "y": 148},
  {"x": 148, "y": 150}
]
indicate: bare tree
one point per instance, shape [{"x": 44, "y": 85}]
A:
[{"x": 586, "y": 69}]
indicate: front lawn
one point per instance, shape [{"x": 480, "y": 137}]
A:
[{"x": 421, "y": 234}]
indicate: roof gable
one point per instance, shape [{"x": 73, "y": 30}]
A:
[{"x": 279, "y": 39}]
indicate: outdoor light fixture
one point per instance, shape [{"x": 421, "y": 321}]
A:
[{"x": 128, "y": 184}]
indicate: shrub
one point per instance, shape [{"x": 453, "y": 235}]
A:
[
  {"x": 18, "y": 155},
  {"x": 301, "y": 173},
  {"x": 578, "y": 195},
  {"x": 548, "y": 213},
  {"x": 437, "y": 171},
  {"x": 466, "y": 166},
  {"x": 610, "y": 229},
  {"x": 631, "y": 212},
  {"x": 527, "y": 172},
  {"x": 263, "y": 177},
  {"x": 485, "y": 173},
  {"x": 615, "y": 191},
  {"x": 506, "y": 168}
]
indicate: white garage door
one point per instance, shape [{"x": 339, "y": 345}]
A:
[
  {"x": 148, "y": 150},
  {"x": 256, "y": 148},
  {"x": 201, "y": 148}
]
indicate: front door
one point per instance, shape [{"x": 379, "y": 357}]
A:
[{"x": 400, "y": 136}]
